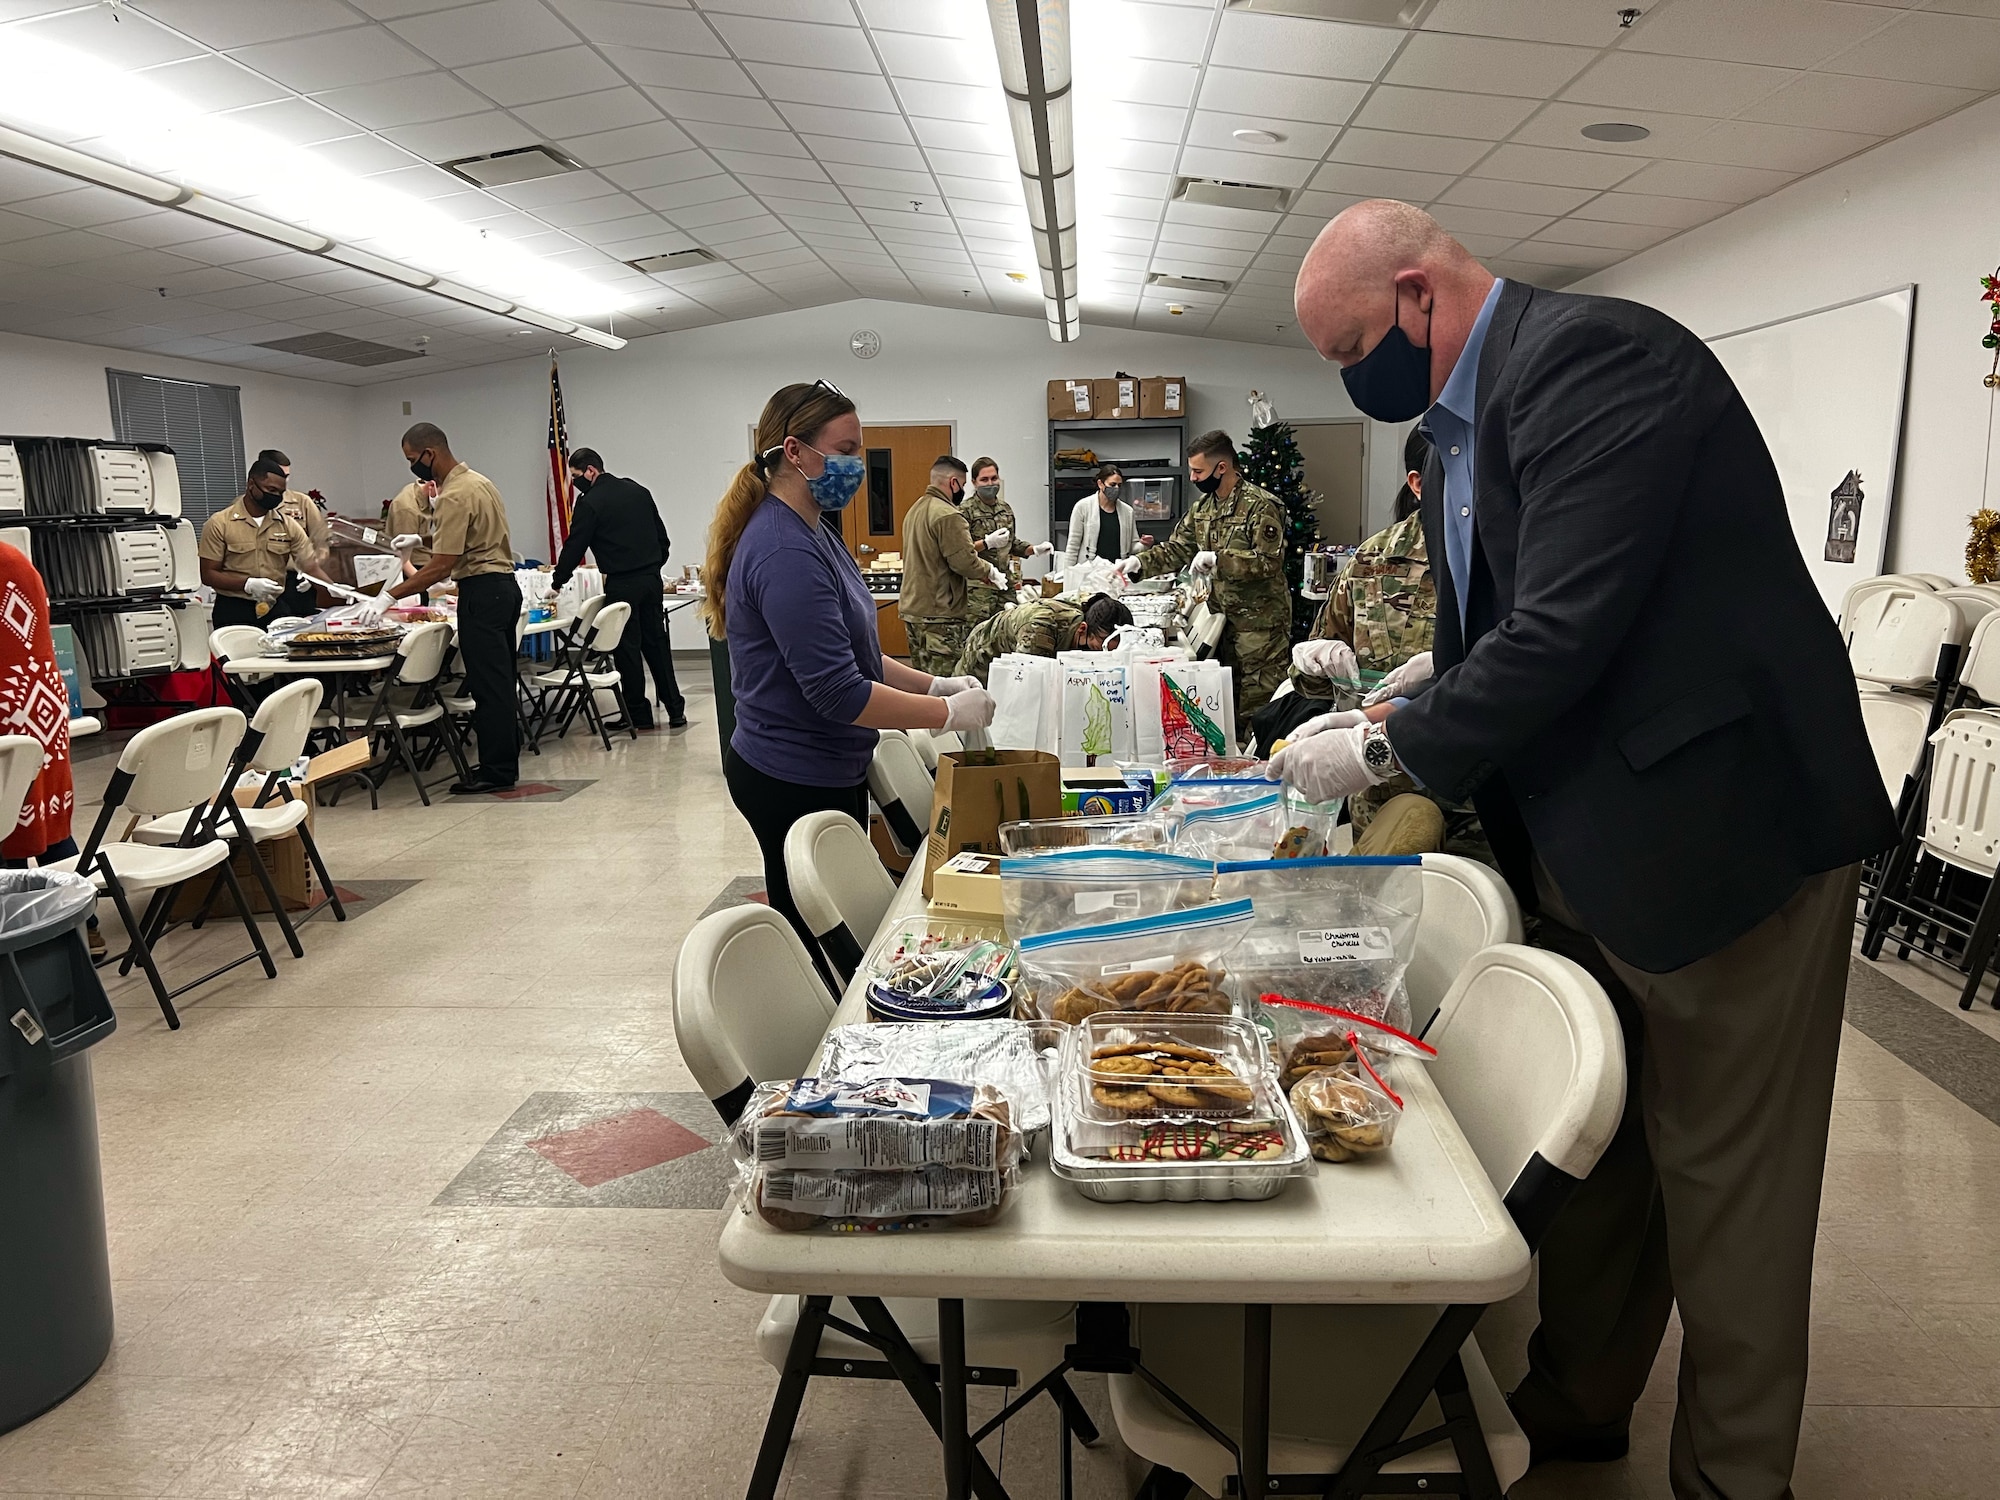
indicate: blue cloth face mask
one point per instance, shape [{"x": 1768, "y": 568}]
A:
[
  {"x": 1392, "y": 381},
  {"x": 838, "y": 482}
]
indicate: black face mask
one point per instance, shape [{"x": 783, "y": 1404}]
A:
[
  {"x": 1392, "y": 381},
  {"x": 1211, "y": 484},
  {"x": 263, "y": 503},
  {"x": 581, "y": 483},
  {"x": 422, "y": 469}
]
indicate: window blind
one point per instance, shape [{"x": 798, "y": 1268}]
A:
[{"x": 202, "y": 423}]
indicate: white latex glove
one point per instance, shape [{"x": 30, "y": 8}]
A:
[
  {"x": 1327, "y": 659},
  {"x": 1042, "y": 549},
  {"x": 997, "y": 578},
  {"x": 1345, "y": 718},
  {"x": 1399, "y": 681},
  {"x": 264, "y": 590},
  {"x": 1203, "y": 564},
  {"x": 373, "y": 606},
  {"x": 995, "y": 540},
  {"x": 406, "y": 541},
  {"x": 1327, "y": 765},
  {"x": 970, "y": 709},
  {"x": 1128, "y": 569},
  {"x": 944, "y": 687}
]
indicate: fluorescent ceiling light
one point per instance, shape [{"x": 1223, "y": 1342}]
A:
[
  {"x": 54, "y": 90},
  {"x": 1031, "y": 40},
  {"x": 255, "y": 223}
]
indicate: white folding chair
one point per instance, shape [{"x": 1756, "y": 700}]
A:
[
  {"x": 578, "y": 629},
  {"x": 1896, "y": 725},
  {"x": 410, "y": 701},
  {"x": 1532, "y": 1063},
  {"x": 1898, "y": 636},
  {"x": 902, "y": 788},
  {"x": 1467, "y": 907},
  {"x": 573, "y": 688},
  {"x": 169, "y": 767},
  {"x": 839, "y": 884},
  {"x": 229, "y": 643},
  {"x": 276, "y": 736},
  {"x": 748, "y": 1004}
]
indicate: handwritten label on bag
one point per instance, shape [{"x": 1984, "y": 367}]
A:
[
  {"x": 1344, "y": 945},
  {"x": 1095, "y": 901}
]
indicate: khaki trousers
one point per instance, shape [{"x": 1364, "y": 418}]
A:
[{"x": 1708, "y": 1196}]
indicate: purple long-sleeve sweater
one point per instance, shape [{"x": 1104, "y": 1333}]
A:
[{"x": 803, "y": 653}]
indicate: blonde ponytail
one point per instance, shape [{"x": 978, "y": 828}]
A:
[{"x": 795, "y": 411}]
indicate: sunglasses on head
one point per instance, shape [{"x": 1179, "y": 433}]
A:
[{"x": 785, "y": 427}]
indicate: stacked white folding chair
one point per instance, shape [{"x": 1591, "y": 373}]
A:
[
  {"x": 901, "y": 787},
  {"x": 1467, "y": 907},
  {"x": 839, "y": 886},
  {"x": 169, "y": 767},
  {"x": 748, "y": 1007},
  {"x": 1532, "y": 1064}
]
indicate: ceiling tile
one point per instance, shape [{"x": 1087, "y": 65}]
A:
[
  {"x": 1562, "y": 125},
  {"x": 300, "y": 122},
  {"x": 676, "y": 195},
  {"x": 544, "y": 75},
  {"x": 746, "y": 138},
  {"x": 1521, "y": 197},
  {"x": 214, "y": 82},
  {"x": 589, "y": 114},
  {"x": 829, "y": 149},
  {"x": 336, "y": 59},
  {"x": 1606, "y": 236},
  {"x": 827, "y": 12},
  {"x": 1486, "y": 117},
  {"x": 919, "y": 185},
  {"x": 362, "y": 154},
  {"x": 1491, "y": 221},
  {"x": 1650, "y": 208},
  {"x": 1687, "y": 179},
  {"x": 961, "y": 135},
  {"x": 223, "y": 23},
  {"x": 1580, "y": 257},
  {"x": 402, "y": 101},
  {"x": 939, "y": 59},
  {"x": 655, "y": 171},
  {"x": 666, "y": 28},
  {"x": 1428, "y": 153},
  {"x": 848, "y": 124},
  {"x": 725, "y": 109},
  {"x": 1314, "y": 49},
  {"x": 1485, "y": 65},
  {"x": 756, "y": 39},
  {"x": 1782, "y": 33},
  {"x": 468, "y": 135},
  {"x": 566, "y": 188},
  {"x": 1746, "y": 143},
  {"x": 96, "y": 30},
  {"x": 1957, "y": 51},
  {"x": 799, "y": 175},
  {"x": 1295, "y": 138},
  {"x": 633, "y": 143},
  {"x": 1379, "y": 182},
  {"x": 712, "y": 75},
  {"x": 1561, "y": 168},
  {"x": 823, "y": 86},
  {"x": 1680, "y": 85},
  {"x": 485, "y": 32},
  {"x": 946, "y": 101},
  {"x": 1280, "y": 96},
  {"x": 1877, "y": 106},
  {"x": 603, "y": 210},
  {"x": 81, "y": 207},
  {"x": 1142, "y": 81},
  {"x": 1589, "y": 22}
]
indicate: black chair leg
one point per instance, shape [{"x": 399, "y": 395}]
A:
[
  {"x": 409, "y": 762},
  {"x": 319, "y": 869},
  {"x": 117, "y": 894},
  {"x": 150, "y": 924},
  {"x": 249, "y": 922},
  {"x": 1979, "y": 951},
  {"x": 277, "y": 904},
  {"x": 1162, "y": 1483}
]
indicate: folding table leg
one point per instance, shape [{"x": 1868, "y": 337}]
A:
[
  {"x": 791, "y": 1394},
  {"x": 1468, "y": 1438},
  {"x": 951, "y": 1392},
  {"x": 917, "y": 1381},
  {"x": 1254, "y": 1456}
]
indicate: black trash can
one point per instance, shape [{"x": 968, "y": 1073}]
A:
[{"x": 55, "y": 1316}]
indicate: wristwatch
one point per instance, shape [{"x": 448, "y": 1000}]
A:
[{"x": 1377, "y": 754}]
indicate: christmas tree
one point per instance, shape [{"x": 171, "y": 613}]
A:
[{"x": 1271, "y": 461}]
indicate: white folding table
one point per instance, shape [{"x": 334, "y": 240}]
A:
[{"x": 1422, "y": 1225}]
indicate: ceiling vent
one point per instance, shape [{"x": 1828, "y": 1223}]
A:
[
  {"x": 1367, "y": 12},
  {"x": 1187, "y": 283},
  {"x": 1210, "y": 192},
  {"x": 505, "y": 168},
  {"x": 678, "y": 260},
  {"x": 342, "y": 350}
]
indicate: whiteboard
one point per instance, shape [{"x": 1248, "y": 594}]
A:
[{"x": 1827, "y": 388}]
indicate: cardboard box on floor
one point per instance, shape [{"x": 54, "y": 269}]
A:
[
  {"x": 285, "y": 857},
  {"x": 978, "y": 790}
]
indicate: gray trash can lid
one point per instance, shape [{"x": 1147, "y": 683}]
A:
[{"x": 36, "y": 904}]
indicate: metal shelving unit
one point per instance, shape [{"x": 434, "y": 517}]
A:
[{"x": 1123, "y": 441}]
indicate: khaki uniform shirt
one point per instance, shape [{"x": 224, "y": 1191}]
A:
[
  {"x": 938, "y": 560},
  {"x": 411, "y": 515},
  {"x": 302, "y": 508},
  {"x": 257, "y": 547},
  {"x": 472, "y": 524}
]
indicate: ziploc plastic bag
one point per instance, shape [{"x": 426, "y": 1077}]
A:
[
  {"x": 1170, "y": 962},
  {"x": 1347, "y": 1112},
  {"x": 1087, "y": 887},
  {"x": 1246, "y": 829}
]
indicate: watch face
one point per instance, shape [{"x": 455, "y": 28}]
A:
[{"x": 1376, "y": 751}]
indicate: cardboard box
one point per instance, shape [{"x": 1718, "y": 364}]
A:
[
  {"x": 977, "y": 791},
  {"x": 1093, "y": 791},
  {"x": 1163, "y": 396},
  {"x": 1069, "y": 400},
  {"x": 1111, "y": 400},
  {"x": 968, "y": 885}
]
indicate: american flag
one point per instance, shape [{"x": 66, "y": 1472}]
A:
[{"x": 559, "y": 497}]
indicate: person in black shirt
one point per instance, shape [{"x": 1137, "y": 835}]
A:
[{"x": 615, "y": 519}]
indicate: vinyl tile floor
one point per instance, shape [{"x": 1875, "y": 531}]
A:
[{"x": 332, "y": 1279}]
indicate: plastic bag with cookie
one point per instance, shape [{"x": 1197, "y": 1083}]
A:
[
  {"x": 1332, "y": 931},
  {"x": 1233, "y": 831},
  {"x": 1170, "y": 963},
  {"x": 1072, "y": 888},
  {"x": 1348, "y": 1112}
]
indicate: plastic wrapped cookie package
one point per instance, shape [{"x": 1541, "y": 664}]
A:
[
  {"x": 1170, "y": 963},
  {"x": 1247, "y": 829},
  {"x": 1144, "y": 1067},
  {"x": 1337, "y": 931},
  {"x": 1073, "y": 888},
  {"x": 1348, "y": 1112}
]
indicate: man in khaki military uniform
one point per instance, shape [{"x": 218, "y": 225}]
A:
[
  {"x": 938, "y": 563},
  {"x": 1234, "y": 534},
  {"x": 1041, "y": 627},
  {"x": 301, "y": 598},
  {"x": 412, "y": 512},
  {"x": 990, "y": 520},
  {"x": 247, "y": 549},
  {"x": 471, "y": 546}
]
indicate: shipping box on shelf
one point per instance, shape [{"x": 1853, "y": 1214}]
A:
[
  {"x": 1112, "y": 400},
  {"x": 1163, "y": 396},
  {"x": 977, "y": 791},
  {"x": 1069, "y": 400}
]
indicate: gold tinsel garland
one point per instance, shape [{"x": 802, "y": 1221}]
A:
[{"x": 1982, "y": 549}]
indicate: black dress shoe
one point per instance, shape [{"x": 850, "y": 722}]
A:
[
  {"x": 679, "y": 721},
  {"x": 478, "y": 786},
  {"x": 1578, "y": 1445}
]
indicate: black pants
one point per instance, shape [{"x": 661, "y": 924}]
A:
[
  {"x": 771, "y": 807},
  {"x": 230, "y": 610},
  {"x": 643, "y": 645},
  {"x": 489, "y": 605}
]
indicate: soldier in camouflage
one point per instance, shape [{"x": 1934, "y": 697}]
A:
[
  {"x": 938, "y": 565},
  {"x": 1043, "y": 627},
  {"x": 1234, "y": 533},
  {"x": 986, "y": 516}
]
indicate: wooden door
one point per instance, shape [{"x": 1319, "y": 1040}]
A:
[
  {"x": 899, "y": 467},
  {"x": 1334, "y": 466}
]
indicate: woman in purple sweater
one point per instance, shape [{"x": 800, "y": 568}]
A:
[{"x": 811, "y": 684}]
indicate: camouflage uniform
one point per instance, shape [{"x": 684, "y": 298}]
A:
[
  {"x": 982, "y": 518},
  {"x": 938, "y": 566},
  {"x": 1246, "y": 532},
  {"x": 1043, "y": 628},
  {"x": 1385, "y": 607},
  {"x": 935, "y": 645}
]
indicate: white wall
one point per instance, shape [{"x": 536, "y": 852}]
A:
[
  {"x": 674, "y": 410},
  {"x": 1920, "y": 209},
  {"x": 54, "y": 389}
]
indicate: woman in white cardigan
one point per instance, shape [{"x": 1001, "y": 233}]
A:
[{"x": 1085, "y": 519}]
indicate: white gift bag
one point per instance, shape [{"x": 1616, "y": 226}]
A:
[
  {"x": 1189, "y": 712},
  {"x": 1096, "y": 712},
  {"x": 1026, "y": 702}
]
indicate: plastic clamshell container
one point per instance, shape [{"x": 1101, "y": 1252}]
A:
[
  {"x": 1119, "y": 831},
  {"x": 1195, "y": 1178},
  {"x": 1233, "y": 1044}
]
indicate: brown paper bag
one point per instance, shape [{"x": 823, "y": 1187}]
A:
[{"x": 978, "y": 790}]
